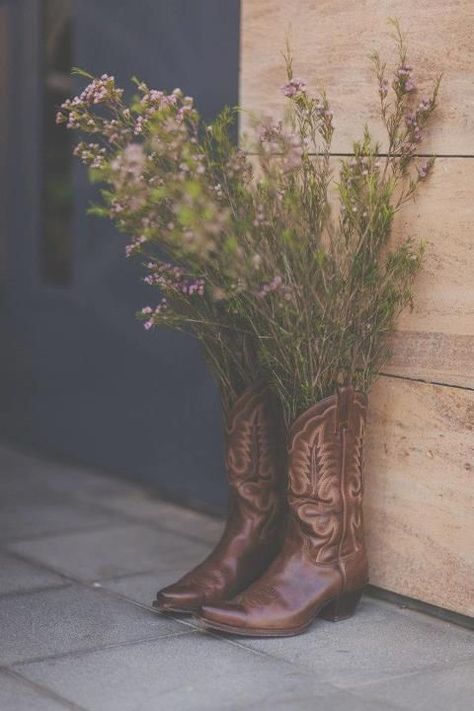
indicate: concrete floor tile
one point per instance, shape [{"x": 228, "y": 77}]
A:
[
  {"x": 46, "y": 516},
  {"x": 17, "y": 575},
  {"x": 113, "y": 552},
  {"x": 380, "y": 641},
  {"x": 18, "y": 695},
  {"x": 448, "y": 689},
  {"x": 141, "y": 505},
  {"x": 53, "y": 622},
  {"x": 182, "y": 673},
  {"x": 26, "y": 476}
]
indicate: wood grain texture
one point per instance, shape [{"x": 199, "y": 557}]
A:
[
  {"x": 331, "y": 41},
  {"x": 436, "y": 340},
  {"x": 433, "y": 357},
  {"x": 419, "y": 483}
]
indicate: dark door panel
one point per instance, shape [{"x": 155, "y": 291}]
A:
[{"x": 80, "y": 378}]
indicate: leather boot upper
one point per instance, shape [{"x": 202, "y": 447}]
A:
[
  {"x": 323, "y": 555},
  {"x": 256, "y": 466}
]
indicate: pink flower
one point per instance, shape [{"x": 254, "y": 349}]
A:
[
  {"x": 135, "y": 245},
  {"x": 405, "y": 79},
  {"x": 383, "y": 88},
  {"x": 276, "y": 284},
  {"x": 293, "y": 88},
  {"x": 424, "y": 105},
  {"x": 423, "y": 169},
  {"x": 173, "y": 277}
]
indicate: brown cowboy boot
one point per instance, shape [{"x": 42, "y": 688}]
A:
[
  {"x": 256, "y": 465},
  {"x": 322, "y": 566}
]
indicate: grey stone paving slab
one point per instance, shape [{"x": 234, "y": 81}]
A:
[
  {"x": 449, "y": 689},
  {"x": 143, "y": 588},
  {"x": 25, "y": 476},
  {"x": 18, "y": 695},
  {"x": 379, "y": 641},
  {"x": 166, "y": 515},
  {"x": 27, "y": 519},
  {"x": 57, "y": 621},
  {"x": 17, "y": 575},
  {"x": 182, "y": 673},
  {"x": 113, "y": 551}
]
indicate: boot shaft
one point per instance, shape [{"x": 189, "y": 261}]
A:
[
  {"x": 325, "y": 476},
  {"x": 256, "y": 458},
  {"x": 255, "y": 439},
  {"x": 256, "y": 464}
]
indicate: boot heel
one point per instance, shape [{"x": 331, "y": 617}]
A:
[{"x": 342, "y": 607}]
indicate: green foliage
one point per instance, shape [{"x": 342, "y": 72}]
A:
[{"x": 282, "y": 270}]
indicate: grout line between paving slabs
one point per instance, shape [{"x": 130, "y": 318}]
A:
[
  {"x": 147, "y": 496},
  {"x": 437, "y": 667},
  {"x": 96, "y": 583},
  {"x": 45, "y": 566},
  {"x": 132, "y": 518},
  {"x": 59, "y": 534},
  {"x": 38, "y": 589},
  {"x": 121, "y": 519},
  {"x": 89, "y": 650},
  {"x": 45, "y": 690},
  {"x": 69, "y": 578}
]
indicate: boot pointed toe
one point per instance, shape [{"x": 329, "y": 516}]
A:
[
  {"x": 178, "y": 599},
  {"x": 219, "y": 616}
]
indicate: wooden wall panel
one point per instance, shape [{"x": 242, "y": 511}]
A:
[
  {"x": 436, "y": 339},
  {"x": 331, "y": 41},
  {"x": 420, "y": 444},
  {"x": 433, "y": 357},
  {"x": 419, "y": 484}
]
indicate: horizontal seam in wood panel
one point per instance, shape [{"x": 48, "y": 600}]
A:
[
  {"x": 415, "y": 155},
  {"x": 381, "y": 155},
  {"x": 427, "y": 382}
]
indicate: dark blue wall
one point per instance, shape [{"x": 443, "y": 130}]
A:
[{"x": 80, "y": 378}]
